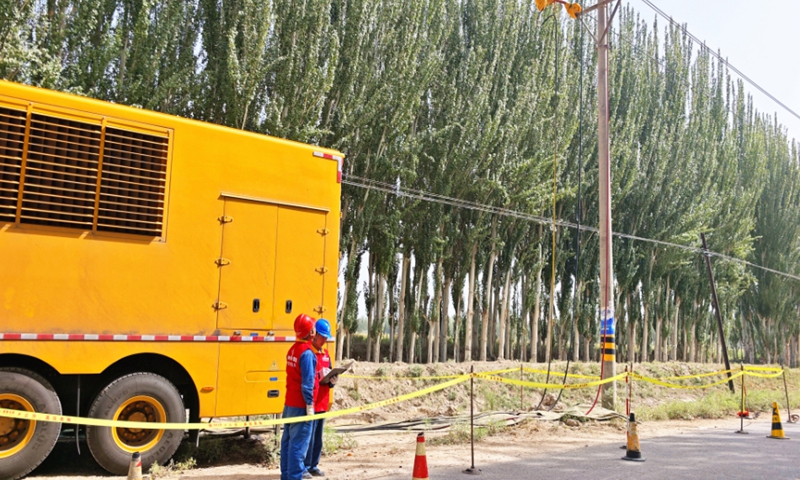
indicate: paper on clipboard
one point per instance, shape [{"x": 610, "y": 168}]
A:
[{"x": 336, "y": 371}]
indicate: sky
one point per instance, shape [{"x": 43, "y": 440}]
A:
[{"x": 758, "y": 38}]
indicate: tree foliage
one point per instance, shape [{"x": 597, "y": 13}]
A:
[{"x": 489, "y": 102}]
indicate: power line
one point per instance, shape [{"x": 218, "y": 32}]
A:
[
  {"x": 719, "y": 57},
  {"x": 396, "y": 189}
]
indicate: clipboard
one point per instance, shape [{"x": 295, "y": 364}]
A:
[{"x": 336, "y": 371}]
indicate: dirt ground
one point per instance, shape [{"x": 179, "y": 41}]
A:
[
  {"x": 376, "y": 454},
  {"x": 381, "y": 454}
]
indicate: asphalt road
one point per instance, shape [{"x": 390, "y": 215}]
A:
[{"x": 700, "y": 454}]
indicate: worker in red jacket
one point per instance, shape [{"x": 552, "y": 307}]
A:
[
  {"x": 322, "y": 400},
  {"x": 301, "y": 386}
]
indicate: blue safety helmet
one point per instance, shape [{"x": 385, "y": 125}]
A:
[{"x": 324, "y": 328}]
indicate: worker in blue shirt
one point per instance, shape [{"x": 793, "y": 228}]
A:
[{"x": 301, "y": 368}]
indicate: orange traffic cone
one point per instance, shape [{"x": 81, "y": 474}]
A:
[
  {"x": 777, "y": 428},
  {"x": 633, "y": 452},
  {"x": 135, "y": 469},
  {"x": 420, "y": 462}
]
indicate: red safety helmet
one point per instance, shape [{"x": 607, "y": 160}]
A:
[{"x": 303, "y": 326}]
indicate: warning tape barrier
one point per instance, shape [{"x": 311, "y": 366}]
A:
[
  {"x": 698, "y": 375},
  {"x": 98, "y": 422},
  {"x": 655, "y": 381},
  {"x": 554, "y": 386},
  {"x": 388, "y": 377},
  {"x": 763, "y": 369},
  {"x": 490, "y": 376},
  {"x": 438, "y": 377},
  {"x": 571, "y": 375}
]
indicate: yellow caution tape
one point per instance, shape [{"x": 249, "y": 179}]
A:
[
  {"x": 439, "y": 377},
  {"x": 370, "y": 377},
  {"x": 97, "y": 422},
  {"x": 498, "y": 372},
  {"x": 698, "y": 375},
  {"x": 554, "y": 386},
  {"x": 764, "y": 369},
  {"x": 763, "y": 375},
  {"x": 571, "y": 375},
  {"x": 636, "y": 376}
]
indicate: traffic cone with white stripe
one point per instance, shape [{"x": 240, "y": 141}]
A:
[
  {"x": 135, "y": 469},
  {"x": 777, "y": 428},
  {"x": 633, "y": 451},
  {"x": 420, "y": 461}
]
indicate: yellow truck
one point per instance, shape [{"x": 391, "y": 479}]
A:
[{"x": 152, "y": 268}]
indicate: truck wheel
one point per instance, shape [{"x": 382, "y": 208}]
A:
[
  {"x": 138, "y": 397},
  {"x": 24, "y": 444}
]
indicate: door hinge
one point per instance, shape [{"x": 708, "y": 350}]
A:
[
  {"x": 220, "y": 306},
  {"x": 321, "y": 270},
  {"x": 320, "y": 309},
  {"x": 323, "y": 231},
  {"x": 222, "y": 262},
  {"x": 225, "y": 219}
]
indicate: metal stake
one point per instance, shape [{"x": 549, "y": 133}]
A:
[
  {"x": 741, "y": 409},
  {"x": 472, "y": 470},
  {"x": 707, "y": 256},
  {"x": 521, "y": 402},
  {"x": 786, "y": 389}
]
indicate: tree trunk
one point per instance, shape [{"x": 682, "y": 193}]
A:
[
  {"x": 485, "y": 317},
  {"x": 645, "y": 331},
  {"x": 457, "y": 327},
  {"x": 340, "y": 331},
  {"x": 673, "y": 353},
  {"x": 401, "y": 308},
  {"x": 470, "y": 307},
  {"x": 631, "y": 330},
  {"x": 448, "y": 281},
  {"x": 379, "y": 312},
  {"x": 504, "y": 317},
  {"x": 420, "y": 279},
  {"x": 433, "y": 322},
  {"x": 537, "y": 312},
  {"x": 523, "y": 336},
  {"x": 576, "y": 341},
  {"x": 587, "y": 343},
  {"x": 371, "y": 309},
  {"x": 548, "y": 342},
  {"x": 657, "y": 340}
]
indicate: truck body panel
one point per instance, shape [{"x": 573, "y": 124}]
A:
[{"x": 247, "y": 224}]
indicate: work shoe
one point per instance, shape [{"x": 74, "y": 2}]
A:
[
  {"x": 307, "y": 475},
  {"x": 316, "y": 472}
]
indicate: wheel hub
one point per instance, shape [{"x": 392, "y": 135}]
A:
[
  {"x": 14, "y": 433},
  {"x": 139, "y": 409}
]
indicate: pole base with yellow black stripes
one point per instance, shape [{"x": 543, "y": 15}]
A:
[{"x": 777, "y": 428}]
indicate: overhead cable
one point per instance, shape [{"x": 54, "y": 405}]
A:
[
  {"x": 719, "y": 57},
  {"x": 396, "y": 189}
]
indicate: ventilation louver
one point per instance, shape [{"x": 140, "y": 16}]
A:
[
  {"x": 12, "y": 136},
  {"x": 133, "y": 182},
  {"x": 59, "y": 175},
  {"x": 60, "y": 181}
]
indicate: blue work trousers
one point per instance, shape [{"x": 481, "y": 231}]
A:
[
  {"x": 315, "y": 447},
  {"x": 294, "y": 444}
]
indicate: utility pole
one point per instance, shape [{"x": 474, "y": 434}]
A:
[
  {"x": 607, "y": 323},
  {"x": 609, "y": 395}
]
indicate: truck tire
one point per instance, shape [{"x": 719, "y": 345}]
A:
[
  {"x": 24, "y": 444},
  {"x": 139, "y": 397}
]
